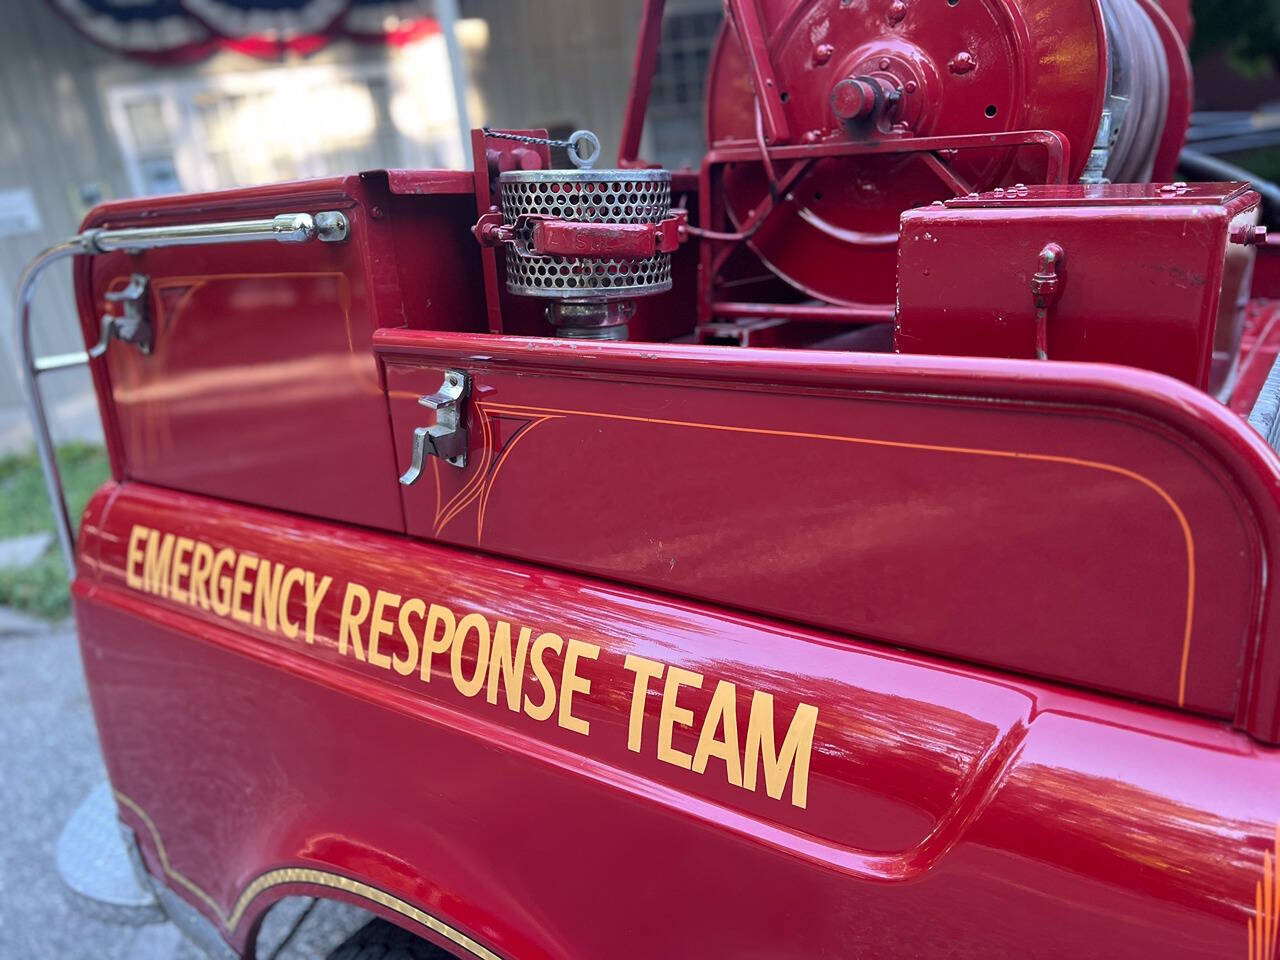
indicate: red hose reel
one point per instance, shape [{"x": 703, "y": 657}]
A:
[{"x": 827, "y": 119}]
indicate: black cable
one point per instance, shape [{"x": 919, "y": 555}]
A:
[{"x": 1204, "y": 165}]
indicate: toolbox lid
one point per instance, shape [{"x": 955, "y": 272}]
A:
[{"x": 1104, "y": 195}]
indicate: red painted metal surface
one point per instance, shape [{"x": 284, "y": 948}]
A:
[
  {"x": 922, "y": 502},
  {"x": 1182, "y": 96},
  {"x": 1006, "y": 75},
  {"x": 769, "y": 91},
  {"x": 262, "y": 387},
  {"x": 646, "y": 65},
  {"x": 493, "y": 156},
  {"x": 945, "y": 806},
  {"x": 1161, "y": 254},
  {"x": 622, "y": 240},
  {"x": 946, "y": 655},
  {"x": 1259, "y": 351},
  {"x": 1179, "y": 12}
]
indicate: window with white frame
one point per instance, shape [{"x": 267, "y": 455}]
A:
[
  {"x": 284, "y": 123},
  {"x": 679, "y": 86}
]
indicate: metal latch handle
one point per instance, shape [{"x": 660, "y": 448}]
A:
[
  {"x": 132, "y": 324},
  {"x": 447, "y": 438}
]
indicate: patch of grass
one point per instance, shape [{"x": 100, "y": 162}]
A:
[{"x": 41, "y": 589}]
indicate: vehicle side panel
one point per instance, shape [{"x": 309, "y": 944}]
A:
[
  {"x": 261, "y": 386},
  {"x": 942, "y": 805},
  {"x": 1084, "y": 524}
]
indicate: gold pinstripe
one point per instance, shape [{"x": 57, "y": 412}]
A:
[{"x": 307, "y": 875}]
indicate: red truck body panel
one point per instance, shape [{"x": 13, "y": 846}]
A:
[
  {"x": 705, "y": 651},
  {"x": 945, "y": 805},
  {"x": 826, "y": 655},
  {"x": 1182, "y": 284}
]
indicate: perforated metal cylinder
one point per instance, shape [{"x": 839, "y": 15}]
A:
[{"x": 586, "y": 196}]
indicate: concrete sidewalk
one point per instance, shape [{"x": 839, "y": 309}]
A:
[{"x": 49, "y": 761}]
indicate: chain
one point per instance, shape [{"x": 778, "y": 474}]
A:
[
  {"x": 574, "y": 145},
  {"x": 521, "y": 138}
]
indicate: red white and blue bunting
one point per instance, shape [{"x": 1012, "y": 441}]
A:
[{"x": 177, "y": 31}]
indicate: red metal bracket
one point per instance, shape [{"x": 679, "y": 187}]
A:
[
  {"x": 1046, "y": 290},
  {"x": 550, "y": 237},
  {"x": 646, "y": 65},
  {"x": 1057, "y": 150},
  {"x": 745, "y": 16},
  {"x": 624, "y": 241}
]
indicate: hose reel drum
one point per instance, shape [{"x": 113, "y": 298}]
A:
[{"x": 872, "y": 76}]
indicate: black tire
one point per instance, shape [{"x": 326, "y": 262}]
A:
[{"x": 380, "y": 940}]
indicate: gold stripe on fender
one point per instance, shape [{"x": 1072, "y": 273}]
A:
[
  {"x": 305, "y": 875},
  {"x": 1264, "y": 925}
]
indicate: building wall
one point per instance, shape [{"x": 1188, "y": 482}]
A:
[
  {"x": 53, "y": 140},
  {"x": 566, "y": 64},
  {"x": 562, "y": 64}
]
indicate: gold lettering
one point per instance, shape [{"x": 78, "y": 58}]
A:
[
  {"x": 293, "y": 577},
  {"x": 266, "y": 594},
  {"x": 190, "y": 571},
  {"x": 201, "y": 568},
  {"x": 380, "y": 627},
  {"x": 722, "y": 712},
  {"x": 672, "y": 714},
  {"x": 469, "y": 687},
  {"x": 571, "y": 683},
  {"x": 505, "y": 669},
  {"x": 349, "y": 625},
  {"x": 221, "y": 599},
  {"x": 315, "y": 594},
  {"x": 134, "y": 557},
  {"x": 543, "y": 710},
  {"x": 156, "y": 563},
  {"x": 412, "y": 607},
  {"x": 181, "y": 568},
  {"x": 244, "y": 563},
  {"x": 645, "y": 670},
  {"x": 796, "y": 747},
  {"x": 430, "y": 645}
]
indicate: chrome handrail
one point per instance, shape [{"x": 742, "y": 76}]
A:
[
  {"x": 28, "y": 373},
  {"x": 328, "y": 226}
]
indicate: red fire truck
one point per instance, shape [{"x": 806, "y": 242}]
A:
[{"x": 860, "y": 546}]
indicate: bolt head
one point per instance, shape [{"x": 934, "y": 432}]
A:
[
  {"x": 885, "y": 63},
  {"x": 853, "y": 99},
  {"x": 822, "y": 53},
  {"x": 910, "y": 86},
  {"x": 897, "y": 11},
  {"x": 962, "y": 63}
]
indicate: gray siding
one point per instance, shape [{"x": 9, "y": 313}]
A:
[
  {"x": 53, "y": 137},
  {"x": 555, "y": 63}
]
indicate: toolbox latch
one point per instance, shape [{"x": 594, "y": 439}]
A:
[
  {"x": 447, "y": 439},
  {"x": 133, "y": 323}
]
